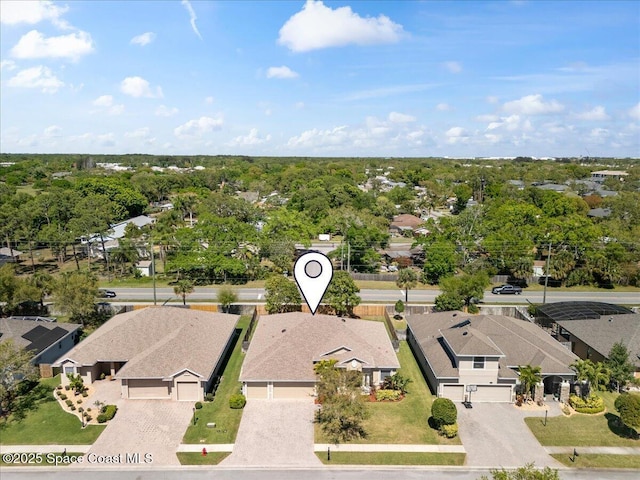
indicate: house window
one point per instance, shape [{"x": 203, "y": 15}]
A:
[
  {"x": 478, "y": 362},
  {"x": 68, "y": 370}
]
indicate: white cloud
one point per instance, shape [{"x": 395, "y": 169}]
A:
[
  {"x": 53, "y": 131},
  {"x": 198, "y": 127},
  {"x": 138, "y": 87},
  {"x": 597, "y": 113},
  {"x": 103, "y": 139},
  {"x": 35, "y": 45},
  {"x": 192, "y": 17},
  {"x": 164, "y": 111},
  {"x": 457, "y": 135},
  {"x": 317, "y": 26},
  {"x": 36, "y": 77},
  {"x": 253, "y": 138},
  {"x": 487, "y": 118},
  {"x": 31, "y": 12},
  {"x": 281, "y": 72},
  {"x": 209, "y": 100},
  {"x": 103, "y": 101},
  {"x": 9, "y": 65},
  {"x": 396, "y": 117},
  {"x": 316, "y": 137},
  {"x": 444, "y": 107},
  {"x": 143, "y": 39},
  {"x": 634, "y": 112},
  {"x": 453, "y": 67},
  {"x": 532, "y": 105},
  {"x": 143, "y": 133},
  {"x": 116, "y": 110}
]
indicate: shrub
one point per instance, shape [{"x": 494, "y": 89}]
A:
[
  {"x": 444, "y": 412},
  {"x": 628, "y": 405},
  {"x": 59, "y": 387},
  {"x": 208, "y": 397},
  {"x": 399, "y": 307},
  {"x": 89, "y": 409},
  {"x": 109, "y": 411},
  {"x": 81, "y": 409},
  {"x": 88, "y": 418},
  {"x": 449, "y": 431},
  {"x": 590, "y": 405},
  {"x": 198, "y": 405},
  {"x": 102, "y": 418},
  {"x": 62, "y": 396},
  {"x": 79, "y": 401},
  {"x": 237, "y": 400},
  {"x": 67, "y": 387},
  {"x": 69, "y": 403},
  {"x": 72, "y": 408},
  {"x": 389, "y": 395},
  {"x": 85, "y": 394}
]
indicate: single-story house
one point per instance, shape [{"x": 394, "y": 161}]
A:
[
  {"x": 46, "y": 340},
  {"x": 156, "y": 352},
  {"x": 285, "y": 347},
  {"x": 593, "y": 338},
  {"x": 404, "y": 222},
  {"x": 478, "y": 356},
  {"x": 9, "y": 255},
  {"x": 111, "y": 238}
]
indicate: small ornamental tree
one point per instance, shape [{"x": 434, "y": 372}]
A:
[
  {"x": 620, "y": 368},
  {"x": 399, "y": 308},
  {"x": 628, "y": 406},
  {"x": 444, "y": 412},
  {"x": 281, "y": 295},
  {"x": 226, "y": 297},
  {"x": 76, "y": 382}
]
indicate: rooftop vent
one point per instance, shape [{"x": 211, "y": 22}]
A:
[{"x": 463, "y": 323}]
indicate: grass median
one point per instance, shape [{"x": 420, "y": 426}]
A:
[
  {"x": 196, "y": 458},
  {"x": 391, "y": 458},
  {"x": 593, "y": 460}
]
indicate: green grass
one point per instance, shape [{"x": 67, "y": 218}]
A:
[
  {"x": 593, "y": 460},
  {"x": 391, "y": 458},
  {"x": 602, "y": 430},
  {"x": 44, "y": 460},
  {"x": 47, "y": 424},
  {"x": 196, "y": 458},
  {"x": 227, "y": 420},
  {"x": 403, "y": 422}
]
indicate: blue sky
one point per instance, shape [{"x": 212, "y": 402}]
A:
[{"x": 321, "y": 78}]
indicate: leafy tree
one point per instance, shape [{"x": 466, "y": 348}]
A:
[
  {"x": 560, "y": 265},
  {"x": 621, "y": 369},
  {"x": 530, "y": 376},
  {"x": 15, "y": 368},
  {"x": 281, "y": 295},
  {"x": 440, "y": 261},
  {"x": 342, "y": 294},
  {"x": 74, "y": 294},
  {"x": 528, "y": 472},
  {"x": 447, "y": 302},
  {"x": 464, "y": 287},
  {"x": 183, "y": 288},
  {"x": 407, "y": 279},
  {"x": 628, "y": 406},
  {"x": 399, "y": 306},
  {"x": 342, "y": 410},
  {"x": 226, "y": 297}
]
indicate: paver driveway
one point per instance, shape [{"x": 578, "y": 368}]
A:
[
  {"x": 145, "y": 426},
  {"x": 494, "y": 434},
  {"x": 275, "y": 432}
]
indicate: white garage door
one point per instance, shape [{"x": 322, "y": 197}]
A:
[
  {"x": 453, "y": 392},
  {"x": 146, "y": 388},
  {"x": 188, "y": 391},
  {"x": 257, "y": 390},
  {"x": 492, "y": 393},
  {"x": 293, "y": 390}
]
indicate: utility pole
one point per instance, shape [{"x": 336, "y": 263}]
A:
[
  {"x": 153, "y": 273},
  {"x": 546, "y": 275},
  {"x": 341, "y": 255},
  {"x": 348, "y": 257}
]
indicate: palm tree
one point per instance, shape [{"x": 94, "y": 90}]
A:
[
  {"x": 529, "y": 377},
  {"x": 585, "y": 373},
  {"x": 407, "y": 279},
  {"x": 601, "y": 375},
  {"x": 183, "y": 288}
]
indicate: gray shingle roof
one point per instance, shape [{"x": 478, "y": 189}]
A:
[
  {"x": 521, "y": 343},
  {"x": 601, "y": 333},
  {"x": 285, "y": 346},
  {"x": 157, "y": 342},
  {"x": 36, "y": 336}
]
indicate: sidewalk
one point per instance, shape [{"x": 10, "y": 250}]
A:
[
  {"x": 320, "y": 447},
  {"x": 588, "y": 450}
]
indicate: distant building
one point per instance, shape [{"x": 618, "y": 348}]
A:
[
  {"x": 8, "y": 255},
  {"x": 405, "y": 222},
  {"x": 601, "y": 175},
  {"x": 117, "y": 231}
]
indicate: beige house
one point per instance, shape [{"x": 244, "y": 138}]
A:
[
  {"x": 478, "y": 356},
  {"x": 165, "y": 353},
  {"x": 285, "y": 347}
]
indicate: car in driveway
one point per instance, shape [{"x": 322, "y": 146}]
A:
[
  {"x": 106, "y": 293},
  {"x": 507, "y": 289}
]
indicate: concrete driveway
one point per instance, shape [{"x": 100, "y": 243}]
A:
[
  {"x": 494, "y": 434},
  {"x": 275, "y": 433},
  {"x": 153, "y": 427}
]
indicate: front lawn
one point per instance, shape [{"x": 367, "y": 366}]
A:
[
  {"x": 601, "y": 430},
  {"x": 226, "y": 419},
  {"x": 403, "y": 422},
  {"x": 592, "y": 460},
  {"x": 46, "y": 423},
  {"x": 391, "y": 458},
  {"x": 195, "y": 458}
]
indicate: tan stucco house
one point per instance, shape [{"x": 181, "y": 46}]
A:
[
  {"x": 166, "y": 353},
  {"x": 477, "y": 356},
  {"x": 285, "y": 347}
]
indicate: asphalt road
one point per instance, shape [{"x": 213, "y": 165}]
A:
[
  {"x": 208, "y": 294},
  {"x": 323, "y": 473}
]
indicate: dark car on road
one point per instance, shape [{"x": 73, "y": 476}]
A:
[
  {"x": 506, "y": 289},
  {"x": 106, "y": 294}
]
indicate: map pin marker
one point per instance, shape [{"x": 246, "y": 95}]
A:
[{"x": 313, "y": 272}]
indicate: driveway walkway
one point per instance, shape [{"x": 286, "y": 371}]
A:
[
  {"x": 275, "y": 433},
  {"x": 153, "y": 427},
  {"x": 494, "y": 434}
]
